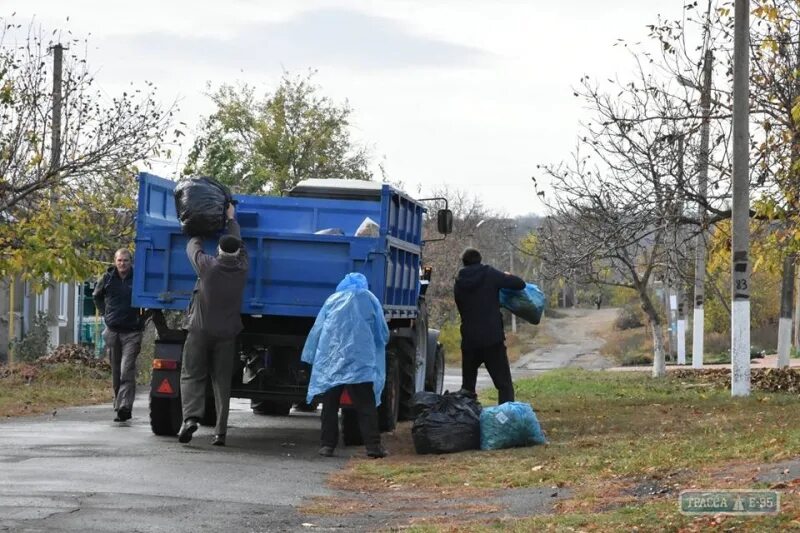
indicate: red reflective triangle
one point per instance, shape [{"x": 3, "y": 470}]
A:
[
  {"x": 345, "y": 399},
  {"x": 165, "y": 387}
]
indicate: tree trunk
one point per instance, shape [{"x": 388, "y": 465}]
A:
[
  {"x": 785, "y": 323},
  {"x": 659, "y": 365},
  {"x": 659, "y": 362}
]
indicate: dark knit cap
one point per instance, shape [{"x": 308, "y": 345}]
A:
[{"x": 229, "y": 244}]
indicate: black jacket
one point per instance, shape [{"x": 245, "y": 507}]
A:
[
  {"x": 477, "y": 295},
  {"x": 112, "y": 297}
]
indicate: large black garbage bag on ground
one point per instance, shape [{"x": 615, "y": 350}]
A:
[
  {"x": 446, "y": 423},
  {"x": 201, "y": 204}
]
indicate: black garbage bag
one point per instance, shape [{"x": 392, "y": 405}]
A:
[
  {"x": 451, "y": 423},
  {"x": 201, "y": 204},
  {"x": 422, "y": 401}
]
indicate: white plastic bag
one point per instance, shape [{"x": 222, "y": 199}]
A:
[{"x": 368, "y": 228}]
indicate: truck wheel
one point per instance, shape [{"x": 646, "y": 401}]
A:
[
  {"x": 435, "y": 380},
  {"x": 166, "y": 416},
  {"x": 210, "y": 410},
  {"x": 271, "y": 407},
  {"x": 351, "y": 432},
  {"x": 407, "y": 378},
  {"x": 390, "y": 398}
]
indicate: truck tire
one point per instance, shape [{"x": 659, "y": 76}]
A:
[
  {"x": 351, "y": 432},
  {"x": 166, "y": 416},
  {"x": 271, "y": 407},
  {"x": 434, "y": 381},
  {"x": 210, "y": 410},
  {"x": 407, "y": 378},
  {"x": 389, "y": 408}
]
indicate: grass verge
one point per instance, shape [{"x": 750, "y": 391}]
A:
[
  {"x": 41, "y": 388},
  {"x": 609, "y": 434},
  {"x": 527, "y": 338}
]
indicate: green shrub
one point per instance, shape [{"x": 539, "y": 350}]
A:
[
  {"x": 628, "y": 317},
  {"x": 450, "y": 337},
  {"x": 636, "y": 359},
  {"x": 36, "y": 342},
  {"x": 620, "y": 296}
]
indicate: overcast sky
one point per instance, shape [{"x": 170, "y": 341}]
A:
[{"x": 471, "y": 94}]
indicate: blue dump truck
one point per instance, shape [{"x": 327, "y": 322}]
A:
[{"x": 300, "y": 245}]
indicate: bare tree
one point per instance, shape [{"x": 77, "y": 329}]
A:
[
  {"x": 617, "y": 205},
  {"x": 72, "y": 200},
  {"x": 100, "y": 137},
  {"x": 444, "y": 256}
]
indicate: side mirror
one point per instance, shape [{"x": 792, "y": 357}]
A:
[{"x": 444, "y": 221}]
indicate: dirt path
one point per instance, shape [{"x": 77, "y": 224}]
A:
[{"x": 574, "y": 342}]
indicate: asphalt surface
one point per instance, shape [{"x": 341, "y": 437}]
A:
[
  {"x": 76, "y": 470},
  {"x": 79, "y": 471}
]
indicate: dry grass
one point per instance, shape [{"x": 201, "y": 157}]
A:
[
  {"x": 628, "y": 347},
  {"x": 36, "y": 389},
  {"x": 609, "y": 432}
]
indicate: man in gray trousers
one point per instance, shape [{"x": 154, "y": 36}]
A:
[
  {"x": 213, "y": 321},
  {"x": 123, "y": 330}
]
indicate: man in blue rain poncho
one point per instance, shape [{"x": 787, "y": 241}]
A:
[{"x": 347, "y": 350}]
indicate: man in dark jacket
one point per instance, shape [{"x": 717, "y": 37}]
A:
[
  {"x": 477, "y": 295},
  {"x": 213, "y": 321},
  {"x": 123, "y": 330}
]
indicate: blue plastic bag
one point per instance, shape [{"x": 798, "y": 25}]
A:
[
  {"x": 509, "y": 425},
  {"x": 528, "y": 303}
]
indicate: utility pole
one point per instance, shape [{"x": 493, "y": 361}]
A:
[
  {"x": 698, "y": 324},
  {"x": 511, "y": 270},
  {"x": 680, "y": 292},
  {"x": 55, "y": 149},
  {"x": 54, "y": 296},
  {"x": 740, "y": 261}
]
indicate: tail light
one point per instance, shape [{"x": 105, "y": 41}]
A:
[{"x": 165, "y": 364}]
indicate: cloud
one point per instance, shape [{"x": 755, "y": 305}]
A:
[{"x": 330, "y": 37}]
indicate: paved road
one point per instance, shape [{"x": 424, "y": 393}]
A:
[
  {"x": 573, "y": 344},
  {"x": 78, "y": 471}
]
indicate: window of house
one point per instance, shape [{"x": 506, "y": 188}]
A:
[
  {"x": 63, "y": 304},
  {"x": 42, "y": 301}
]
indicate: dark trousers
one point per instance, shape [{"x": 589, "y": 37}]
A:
[
  {"x": 204, "y": 356},
  {"x": 496, "y": 361},
  {"x": 363, "y": 397}
]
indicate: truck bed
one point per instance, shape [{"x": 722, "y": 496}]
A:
[{"x": 292, "y": 269}]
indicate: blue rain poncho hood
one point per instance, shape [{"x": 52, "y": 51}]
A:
[{"x": 347, "y": 343}]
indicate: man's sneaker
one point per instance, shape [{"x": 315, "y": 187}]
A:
[
  {"x": 326, "y": 451},
  {"x": 123, "y": 414},
  {"x": 377, "y": 453}
]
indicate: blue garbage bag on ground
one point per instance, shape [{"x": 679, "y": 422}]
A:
[
  {"x": 509, "y": 425},
  {"x": 347, "y": 343},
  {"x": 446, "y": 423},
  {"x": 528, "y": 303}
]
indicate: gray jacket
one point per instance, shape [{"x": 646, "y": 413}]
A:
[{"x": 216, "y": 303}]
